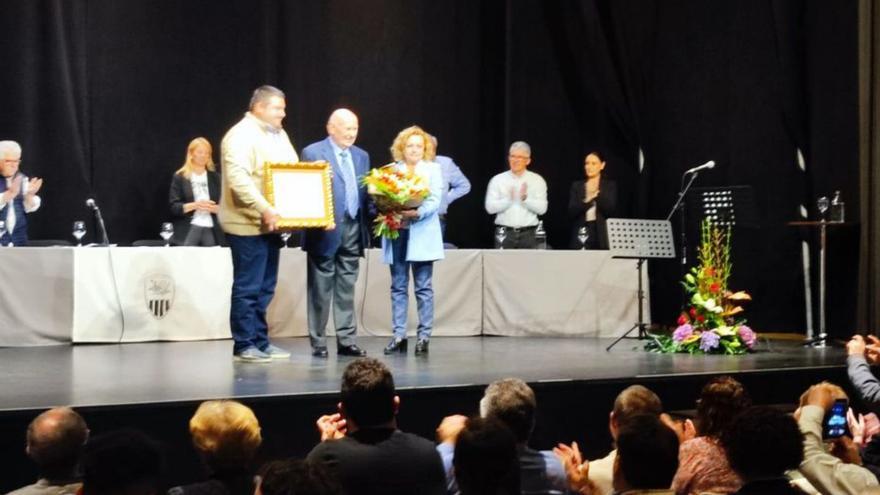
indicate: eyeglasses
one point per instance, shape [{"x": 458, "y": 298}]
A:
[
  {"x": 518, "y": 157},
  {"x": 11, "y": 160}
]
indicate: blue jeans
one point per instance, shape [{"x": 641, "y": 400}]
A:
[
  {"x": 422, "y": 272},
  {"x": 254, "y": 274}
]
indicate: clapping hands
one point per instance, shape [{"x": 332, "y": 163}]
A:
[
  {"x": 870, "y": 349},
  {"x": 577, "y": 470},
  {"x": 331, "y": 427}
]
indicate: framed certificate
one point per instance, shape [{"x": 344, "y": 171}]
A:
[{"x": 301, "y": 193}]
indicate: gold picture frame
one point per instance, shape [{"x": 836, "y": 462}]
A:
[{"x": 301, "y": 192}]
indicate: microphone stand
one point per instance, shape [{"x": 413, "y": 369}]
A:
[
  {"x": 105, "y": 241},
  {"x": 679, "y": 204}
]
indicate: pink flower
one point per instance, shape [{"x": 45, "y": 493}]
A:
[
  {"x": 748, "y": 336},
  {"x": 682, "y": 332}
]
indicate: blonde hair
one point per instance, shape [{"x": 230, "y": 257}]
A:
[
  {"x": 403, "y": 136},
  {"x": 226, "y": 432},
  {"x": 187, "y": 168}
]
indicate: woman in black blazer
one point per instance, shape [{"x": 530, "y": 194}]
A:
[
  {"x": 194, "y": 194},
  {"x": 590, "y": 202}
]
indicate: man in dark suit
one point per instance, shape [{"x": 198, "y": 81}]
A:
[{"x": 333, "y": 254}]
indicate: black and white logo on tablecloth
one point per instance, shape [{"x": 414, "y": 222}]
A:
[{"x": 159, "y": 294}]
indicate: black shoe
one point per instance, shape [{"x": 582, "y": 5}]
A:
[
  {"x": 421, "y": 347},
  {"x": 396, "y": 345},
  {"x": 319, "y": 352},
  {"x": 350, "y": 350}
]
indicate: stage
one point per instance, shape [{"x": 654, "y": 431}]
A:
[{"x": 156, "y": 386}]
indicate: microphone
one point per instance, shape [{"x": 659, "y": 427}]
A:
[
  {"x": 100, "y": 220},
  {"x": 705, "y": 166}
]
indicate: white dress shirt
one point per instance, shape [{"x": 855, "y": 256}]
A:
[
  {"x": 503, "y": 199},
  {"x": 34, "y": 205}
]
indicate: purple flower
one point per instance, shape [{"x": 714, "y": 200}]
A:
[
  {"x": 709, "y": 341},
  {"x": 682, "y": 332},
  {"x": 748, "y": 336}
]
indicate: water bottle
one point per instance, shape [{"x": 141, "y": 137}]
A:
[
  {"x": 837, "y": 210},
  {"x": 541, "y": 235}
]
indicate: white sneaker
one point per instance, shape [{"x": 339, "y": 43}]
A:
[
  {"x": 251, "y": 355},
  {"x": 275, "y": 352}
]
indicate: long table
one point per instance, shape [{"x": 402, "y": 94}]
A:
[{"x": 119, "y": 294}]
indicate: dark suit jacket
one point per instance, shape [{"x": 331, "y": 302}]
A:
[
  {"x": 606, "y": 207},
  {"x": 180, "y": 193},
  {"x": 320, "y": 242}
]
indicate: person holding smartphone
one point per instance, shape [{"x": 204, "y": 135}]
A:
[{"x": 839, "y": 469}]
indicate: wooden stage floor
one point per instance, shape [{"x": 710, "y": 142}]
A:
[{"x": 169, "y": 372}]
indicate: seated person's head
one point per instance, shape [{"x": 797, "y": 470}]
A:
[
  {"x": 634, "y": 400},
  {"x": 513, "y": 403},
  {"x": 122, "y": 462},
  {"x": 763, "y": 443},
  {"x": 55, "y": 442},
  {"x": 297, "y": 477},
  {"x": 647, "y": 454},
  {"x": 368, "y": 397},
  {"x": 721, "y": 400},
  {"x": 226, "y": 433},
  {"x": 486, "y": 461}
]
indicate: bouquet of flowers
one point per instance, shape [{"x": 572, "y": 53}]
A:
[
  {"x": 712, "y": 322},
  {"x": 393, "y": 189}
]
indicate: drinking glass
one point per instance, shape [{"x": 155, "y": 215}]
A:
[
  {"x": 822, "y": 204},
  {"x": 166, "y": 232},
  {"x": 500, "y": 235},
  {"x": 79, "y": 231},
  {"x": 285, "y": 236},
  {"x": 583, "y": 236}
]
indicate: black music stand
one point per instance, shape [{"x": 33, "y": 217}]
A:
[{"x": 631, "y": 238}]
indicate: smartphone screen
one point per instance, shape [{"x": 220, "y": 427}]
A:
[{"x": 835, "y": 421}]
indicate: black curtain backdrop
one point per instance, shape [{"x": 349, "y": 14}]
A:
[{"x": 105, "y": 95}]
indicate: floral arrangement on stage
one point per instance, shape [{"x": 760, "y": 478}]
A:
[
  {"x": 394, "y": 188},
  {"x": 712, "y": 321}
]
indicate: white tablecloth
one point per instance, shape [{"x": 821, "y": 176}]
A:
[{"x": 58, "y": 295}]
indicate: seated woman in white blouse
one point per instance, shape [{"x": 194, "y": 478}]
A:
[{"x": 195, "y": 191}]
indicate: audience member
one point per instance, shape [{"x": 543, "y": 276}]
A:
[
  {"x": 297, "y": 477},
  {"x": 486, "y": 460},
  {"x": 860, "y": 355},
  {"x": 455, "y": 185},
  {"x": 838, "y": 471},
  {"x": 513, "y": 403},
  {"x": 632, "y": 401},
  {"x": 703, "y": 465},
  {"x": 55, "y": 442},
  {"x": 762, "y": 444},
  {"x": 18, "y": 195},
  {"x": 227, "y": 435},
  {"x": 193, "y": 197},
  {"x": 516, "y": 198},
  {"x": 249, "y": 221},
  {"x": 647, "y": 456},
  {"x": 362, "y": 445},
  {"x": 122, "y": 462}
]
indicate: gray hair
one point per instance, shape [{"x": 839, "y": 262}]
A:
[
  {"x": 513, "y": 402},
  {"x": 521, "y": 146},
  {"x": 9, "y": 147},
  {"x": 263, "y": 93}
]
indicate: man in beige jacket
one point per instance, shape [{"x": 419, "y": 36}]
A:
[{"x": 249, "y": 221}]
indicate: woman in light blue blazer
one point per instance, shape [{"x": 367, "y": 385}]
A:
[{"x": 420, "y": 242}]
